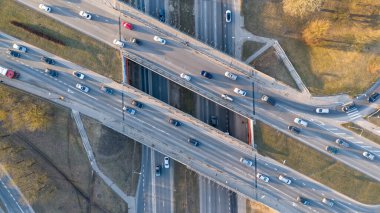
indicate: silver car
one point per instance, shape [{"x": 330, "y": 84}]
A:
[
  {"x": 246, "y": 161},
  {"x": 300, "y": 122}
]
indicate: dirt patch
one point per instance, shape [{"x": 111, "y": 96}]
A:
[
  {"x": 256, "y": 207},
  {"x": 118, "y": 156},
  {"x": 249, "y": 48},
  {"x": 37, "y": 33}
]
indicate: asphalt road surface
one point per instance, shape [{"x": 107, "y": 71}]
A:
[{"x": 217, "y": 157}]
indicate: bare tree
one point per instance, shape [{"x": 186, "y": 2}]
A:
[{"x": 301, "y": 8}]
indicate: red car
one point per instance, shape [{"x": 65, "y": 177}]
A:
[{"x": 127, "y": 25}]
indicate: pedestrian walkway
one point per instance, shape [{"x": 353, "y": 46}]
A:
[
  {"x": 128, "y": 199},
  {"x": 353, "y": 114},
  {"x": 368, "y": 126}
]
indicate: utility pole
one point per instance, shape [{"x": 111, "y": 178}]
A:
[
  {"x": 256, "y": 176},
  {"x": 119, "y": 28}
]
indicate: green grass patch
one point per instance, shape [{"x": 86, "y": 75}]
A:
[
  {"x": 316, "y": 165},
  {"x": 349, "y": 49},
  {"x": 249, "y": 48},
  {"x": 363, "y": 132},
  {"x": 39, "y": 30},
  {"x": 374, "y": 117},
  {"x": 186, "y": 189}
]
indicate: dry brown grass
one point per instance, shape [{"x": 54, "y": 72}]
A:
[
  {"x": 256, "y": 207},
  {"x": 346, "y": 60}
]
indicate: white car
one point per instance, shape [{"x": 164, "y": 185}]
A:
[
  {"x": 44, "y": 7},
  {"x": 322, "y": 110},
  {"x": 226, "y": 97},
  {"x": 78, "y": 75},
  {"x": 300, "y": 122},
  {"x": 85, "y": 15},
  {"x": 230, "y": 75},
  {"x": 369, "y": 155},
  {"x": 262, "y": 177},
  {"x": 118, "y": 43},
  {"x": 246, "y": 161},
  {"x": 228, "y": 16},
  {"x": 82, "y": 87},
  {"x": 284, "y": 179},
  {"x": 328, "y": 202},
  {"x": 161, "y": 40},
  {"x": 166, "y": 162},
  {"x": 19, "y": 47},
  {"x": 240, "y": 92},
  {"x": 184, "y": 76}
]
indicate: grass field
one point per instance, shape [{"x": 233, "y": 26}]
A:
[
  {"x": 270, "y": 64},
  {"x": 256, "y": 207},
  {"x": 316, "y": 165},
  {"x": 182, "y": 15},
  {"x": 249, "y": 48},
  {"x": 350, "y": 48},
  {"x": 118, "y": 156},
  {"x": 186, "y": 189},
  {"x": 57, "y": 151},
  {"x": 363, "y": 132},
  {"x": 374, "y": 117},
  {"x": 75, "y": 47}
]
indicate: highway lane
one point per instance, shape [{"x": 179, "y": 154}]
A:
[{"x": 217, "y": 156}]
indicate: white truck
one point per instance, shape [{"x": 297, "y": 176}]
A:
[{"x": 8, "y": 73}]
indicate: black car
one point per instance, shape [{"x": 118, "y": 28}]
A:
[
  {"x": 193, "y": 142},
  {"x": 303, "y": 200},
  {"x": 294, "y": 129},
  {"x": 106, "y": 90},
  {"x": 206, "y": 74},
  {"x": 158, "y": 170},
  {"x": 14, "y": 53},
  {"x": 53, "y": 73},
  {"x": 161, "y": 15},
  {"x": 268, "y": 99},
  {"x": 332, "y": 149},
  {"x": 349, "y": 107},
  {"x": 373, "y": 97},
  {"x": 47, "y": 60},
  {"x": 174, "y": 122},
  {"x": 137, "y": 104}
]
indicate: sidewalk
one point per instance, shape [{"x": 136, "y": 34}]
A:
[
  {"x": 368, "y": 126},
  {"x": 128, "y": 199}
]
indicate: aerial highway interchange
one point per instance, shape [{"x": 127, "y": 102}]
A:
[{"x": 218, "y": 154}]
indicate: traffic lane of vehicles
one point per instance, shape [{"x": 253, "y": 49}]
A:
[
  {"x": 313, "y": 126},
  {"x": 164, "y": 122},
  {"x": 316, "y": 139}
]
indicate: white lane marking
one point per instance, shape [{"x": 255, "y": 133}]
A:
[
  {"x": 333, "y": 129},
  {"x": 340, "y": 133},
  {"x": 349, "y": 137},
  {"x": 358, "y": 142},
  {"x": 376, "y": 151}
]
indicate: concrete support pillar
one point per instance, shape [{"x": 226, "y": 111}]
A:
[{"x": 251, "y": 133}]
